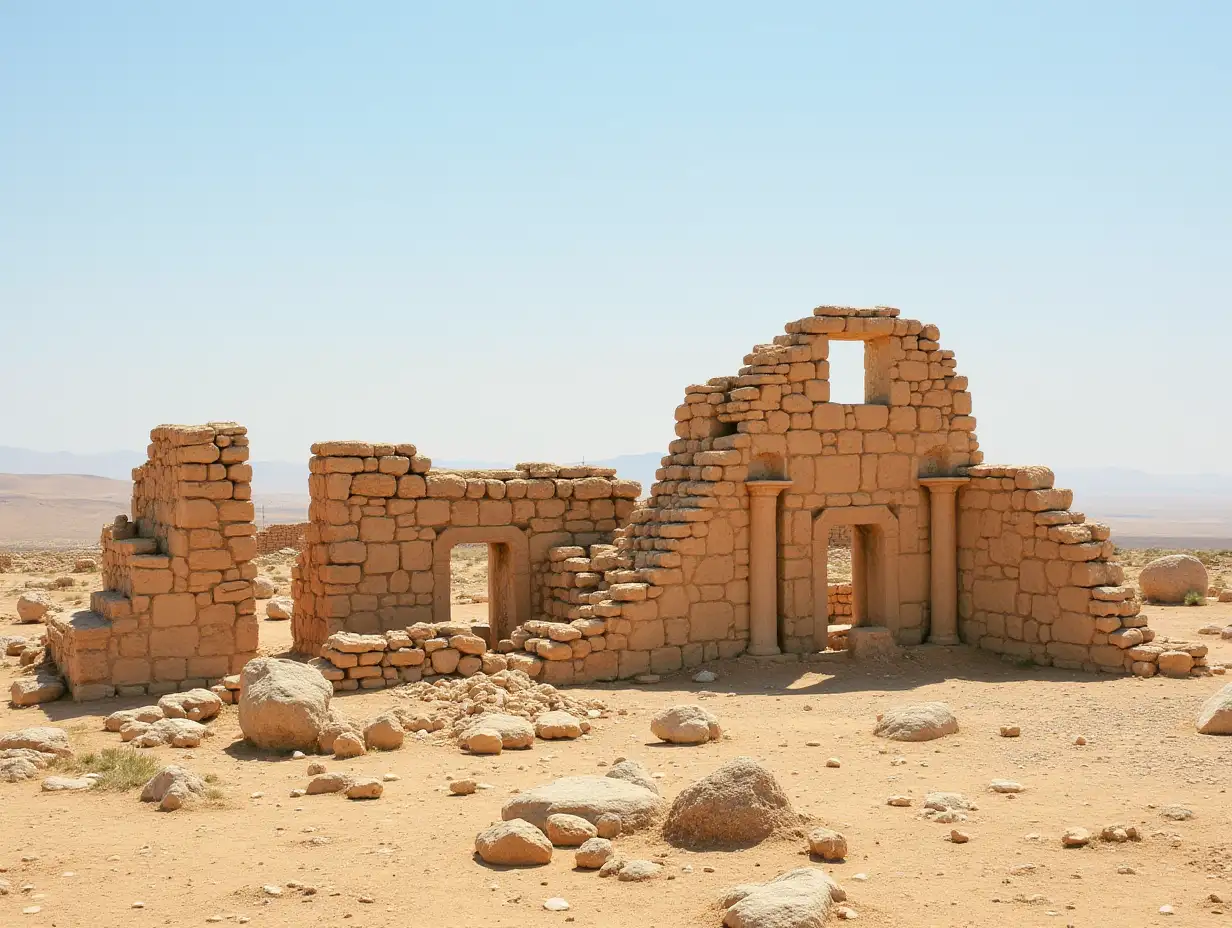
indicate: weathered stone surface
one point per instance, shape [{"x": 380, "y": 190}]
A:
[
  {"x": 33, "y": 605},
  {"x": 589, "y": 798},
  {"x": 335, "y": 724},
  {"x": 44, "y": 739},
  {"x": 171, "y": 787},
  {"x": 593, "y": 854},
  {"x": 827, "y": 844},
  {"x": 328, "y": 783},
  {"x": 1169, "y": 578},
  {"x": 179, "y": 733},
  {"x": 364, "y": 788},
  {"x": 42, "y": 687},
  {"x": 796, "y": 899},
  {"x": 349, "y": 744},
  {"x": 120, "y": 718},
  {"x": 283, "y": 704},
  {"x": 513, "y": 843},
  {"x": 384, "y": 733},
  {"x": 482, "y": 741},
  {"x": 924, "y": 721},
  {"x": 558, "y": 725},
  {"x": 635, "y": 772},
  {"x": 565, "y": 830},
  {"x": 198, "y": 705},
  {"x": 263, "y": 587},
  {"x": 1215, "y": 717},
  {"x": 514, "y": 731},
  {"x": 686, "y": 725},
  {"x": 738, "y": 805},
  {"x": 68, "y": 784},
  {"x": 639, "y": 871},
  {"x": 17, "y": 764},
  {"x": 279, "y": 608}
]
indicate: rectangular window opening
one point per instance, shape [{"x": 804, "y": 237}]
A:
[
  {"x": 847, "y": 366},
  {"x": 469, "y": 599}
]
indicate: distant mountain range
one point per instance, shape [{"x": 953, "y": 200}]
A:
[{"x": 1185, "y": 510}]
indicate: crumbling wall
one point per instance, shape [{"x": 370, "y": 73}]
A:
[
  {"x": 383, "y": 522},
  {"x": 177, "y": 609},
  {"x": 1037, "y": 580},
  {"x": 278, "y": 536}
]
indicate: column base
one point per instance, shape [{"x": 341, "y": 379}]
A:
[
  {"x": 763, "y": 651},
  {"x": 943, "y": 639}
]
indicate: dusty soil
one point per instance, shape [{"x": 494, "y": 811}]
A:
[{"x": 85, "y": 859}]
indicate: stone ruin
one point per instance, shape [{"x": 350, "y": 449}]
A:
[
  {"x": 727, "y": 555},
  {"x": 177, "y": 610}
]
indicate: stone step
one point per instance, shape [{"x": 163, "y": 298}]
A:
[
  {"x": 149, "y": 562},
  {"x": 111, "y": 604},
  {"x": 131, "y": 546}
]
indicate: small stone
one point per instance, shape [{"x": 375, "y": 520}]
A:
[
  {"x": 138, "y": 905},
  {"x": 959, "y": 837},
  {"x": 899, "y": 801},
  {"x": 1166, "y": 910},
  {"x": 834, "y": 762},
  {"x": 565, "y": 830},
  {"x": 705, "y": 676},
  {"x": 463, "y": 787},
  {"x": 1076, "y": 837},
  {"x": 1005, "y": 786},
  {"x": 1010, "y": 731},
  {"x": 271, "y": 890},
  {"x": 1080, "y": 741},
  {"x": 555, "y": 904},
  {"x": 827, "y": 844},
  {"x": 846, "y": 913},
  {"x": 365, "y": 788},
  {"x": 1176, "y": 813},
  {"x": 390, "y": 777},
  {"x": 315, "y": 768},
  {"x": 298, "y": 755}
]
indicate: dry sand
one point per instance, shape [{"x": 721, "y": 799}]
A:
[{"x": 86, "y": 858}]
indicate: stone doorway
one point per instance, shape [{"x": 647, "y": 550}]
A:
[
  {"x": 874, "y": 567},
  {"x": 508, "y": 576}
]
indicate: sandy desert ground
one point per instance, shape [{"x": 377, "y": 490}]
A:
[{"x": 86, "y": 859}]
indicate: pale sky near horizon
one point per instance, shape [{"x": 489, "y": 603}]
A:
[{"x": 518, "y": 231}]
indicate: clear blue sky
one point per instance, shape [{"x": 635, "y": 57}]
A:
[{"x": 519, "y": 230}]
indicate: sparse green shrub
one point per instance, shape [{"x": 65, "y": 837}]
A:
[
  {"x": 1194, "y": 598},
  {"x": 121, "y": 768}
]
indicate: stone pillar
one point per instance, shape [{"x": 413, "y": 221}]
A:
[
  {"x": 763, "y": 565},
  {"x": 943, "y": 557}
]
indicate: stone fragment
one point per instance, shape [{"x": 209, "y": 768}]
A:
[
  {"x": 799, "y": 898},
  {"x": 45, "y": 739},
  {"x": 1010, "y": 731},
  {"x": 565, "y": 830},
  {"x": 919, "y": 722},
  {"x": 738, "y": 805},
  {"x": 263, "y": 587},
  {"x": 827, "y": 844},
  {"x": 464, "y": 787},
  {"x": 1215, "y": 716},
  {"x": 384, "y": 733},
  {"x": 364, "y": 788},
  {"x": 68, "y": 784},
  {"x": 328, "y": 783},
  {"x": 558, "y": 725},
  {"x": 33, "y": 606},
  {"x": 178, "y": 733},
  {"x": 514, "y": 731},
  {"x": 593, "y": 853},
  {"x": 513, "y": 843},
  {"x": 1076, "y": 837},
  {"x": 279, "y": 608},
  {"x": 199, "y": 705},
  {"x": 635, "y": 772},
  {"x": 1005, "y": 786},
  {"x": 349, "y": 744},
  {"x": 689, "y": 724},
  {"x": 171, "y": 787},
  {"x": 587, "y": 797},
  {"x": 482, "y": 741},
  {"x": 44, "y": 686},
  {"x": 639, "y": 871}
]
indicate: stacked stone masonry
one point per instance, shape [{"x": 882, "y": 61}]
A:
[
  {"x": 678, "y": 579},
  {"x": 1037, "y": 580},
  {"x": 274, "y": 538},
  {"x": 177, "y": 609},
  {"x": 383, "y": 523}
]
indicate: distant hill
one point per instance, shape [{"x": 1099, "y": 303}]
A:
[{"x": 62, "y": 497}]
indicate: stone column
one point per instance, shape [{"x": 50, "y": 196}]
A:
[
  {"x": 763, "y": 565},
  {"x": 943, "y": 557}
]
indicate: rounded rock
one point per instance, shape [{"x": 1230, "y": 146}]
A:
[
  {"x": 565, "y": 830},
  {"x": 827, "y": 844},
  {"x": 513, "y": 843}
]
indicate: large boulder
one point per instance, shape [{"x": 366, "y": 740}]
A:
[
  {"x": 738, "y": 805},
  {"x": 283, "y": 704},
  {"x": 1168, "y": 579},
  {"x": 686, "y": 725},
  {"x": 514, "y": 731},
  {"x": 32, "y": 606},
  {"x": 41, "y": 738},
  {"x": 795, "y": 899},
  {"x": 923, "y": 721},
  {"x": 589, "y": 798},
  {"x": 198, "y": 705},
  {"x": 171, "y": 787},
  {"x": 513, "y": 843},
  {"x": 1215, "y": 718}
]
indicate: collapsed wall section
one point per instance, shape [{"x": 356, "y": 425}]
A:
[{"x": 177, "y": 609}]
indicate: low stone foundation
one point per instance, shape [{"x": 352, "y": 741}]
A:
[{"x": 276, "y": 537}]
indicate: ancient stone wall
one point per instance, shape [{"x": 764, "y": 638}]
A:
[
  {"x": 278, "y": 536},
  {"x": 1037, "y": 580},
  {"x": 383, "y": 522},
  {"x": 177, "y": 608}
]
